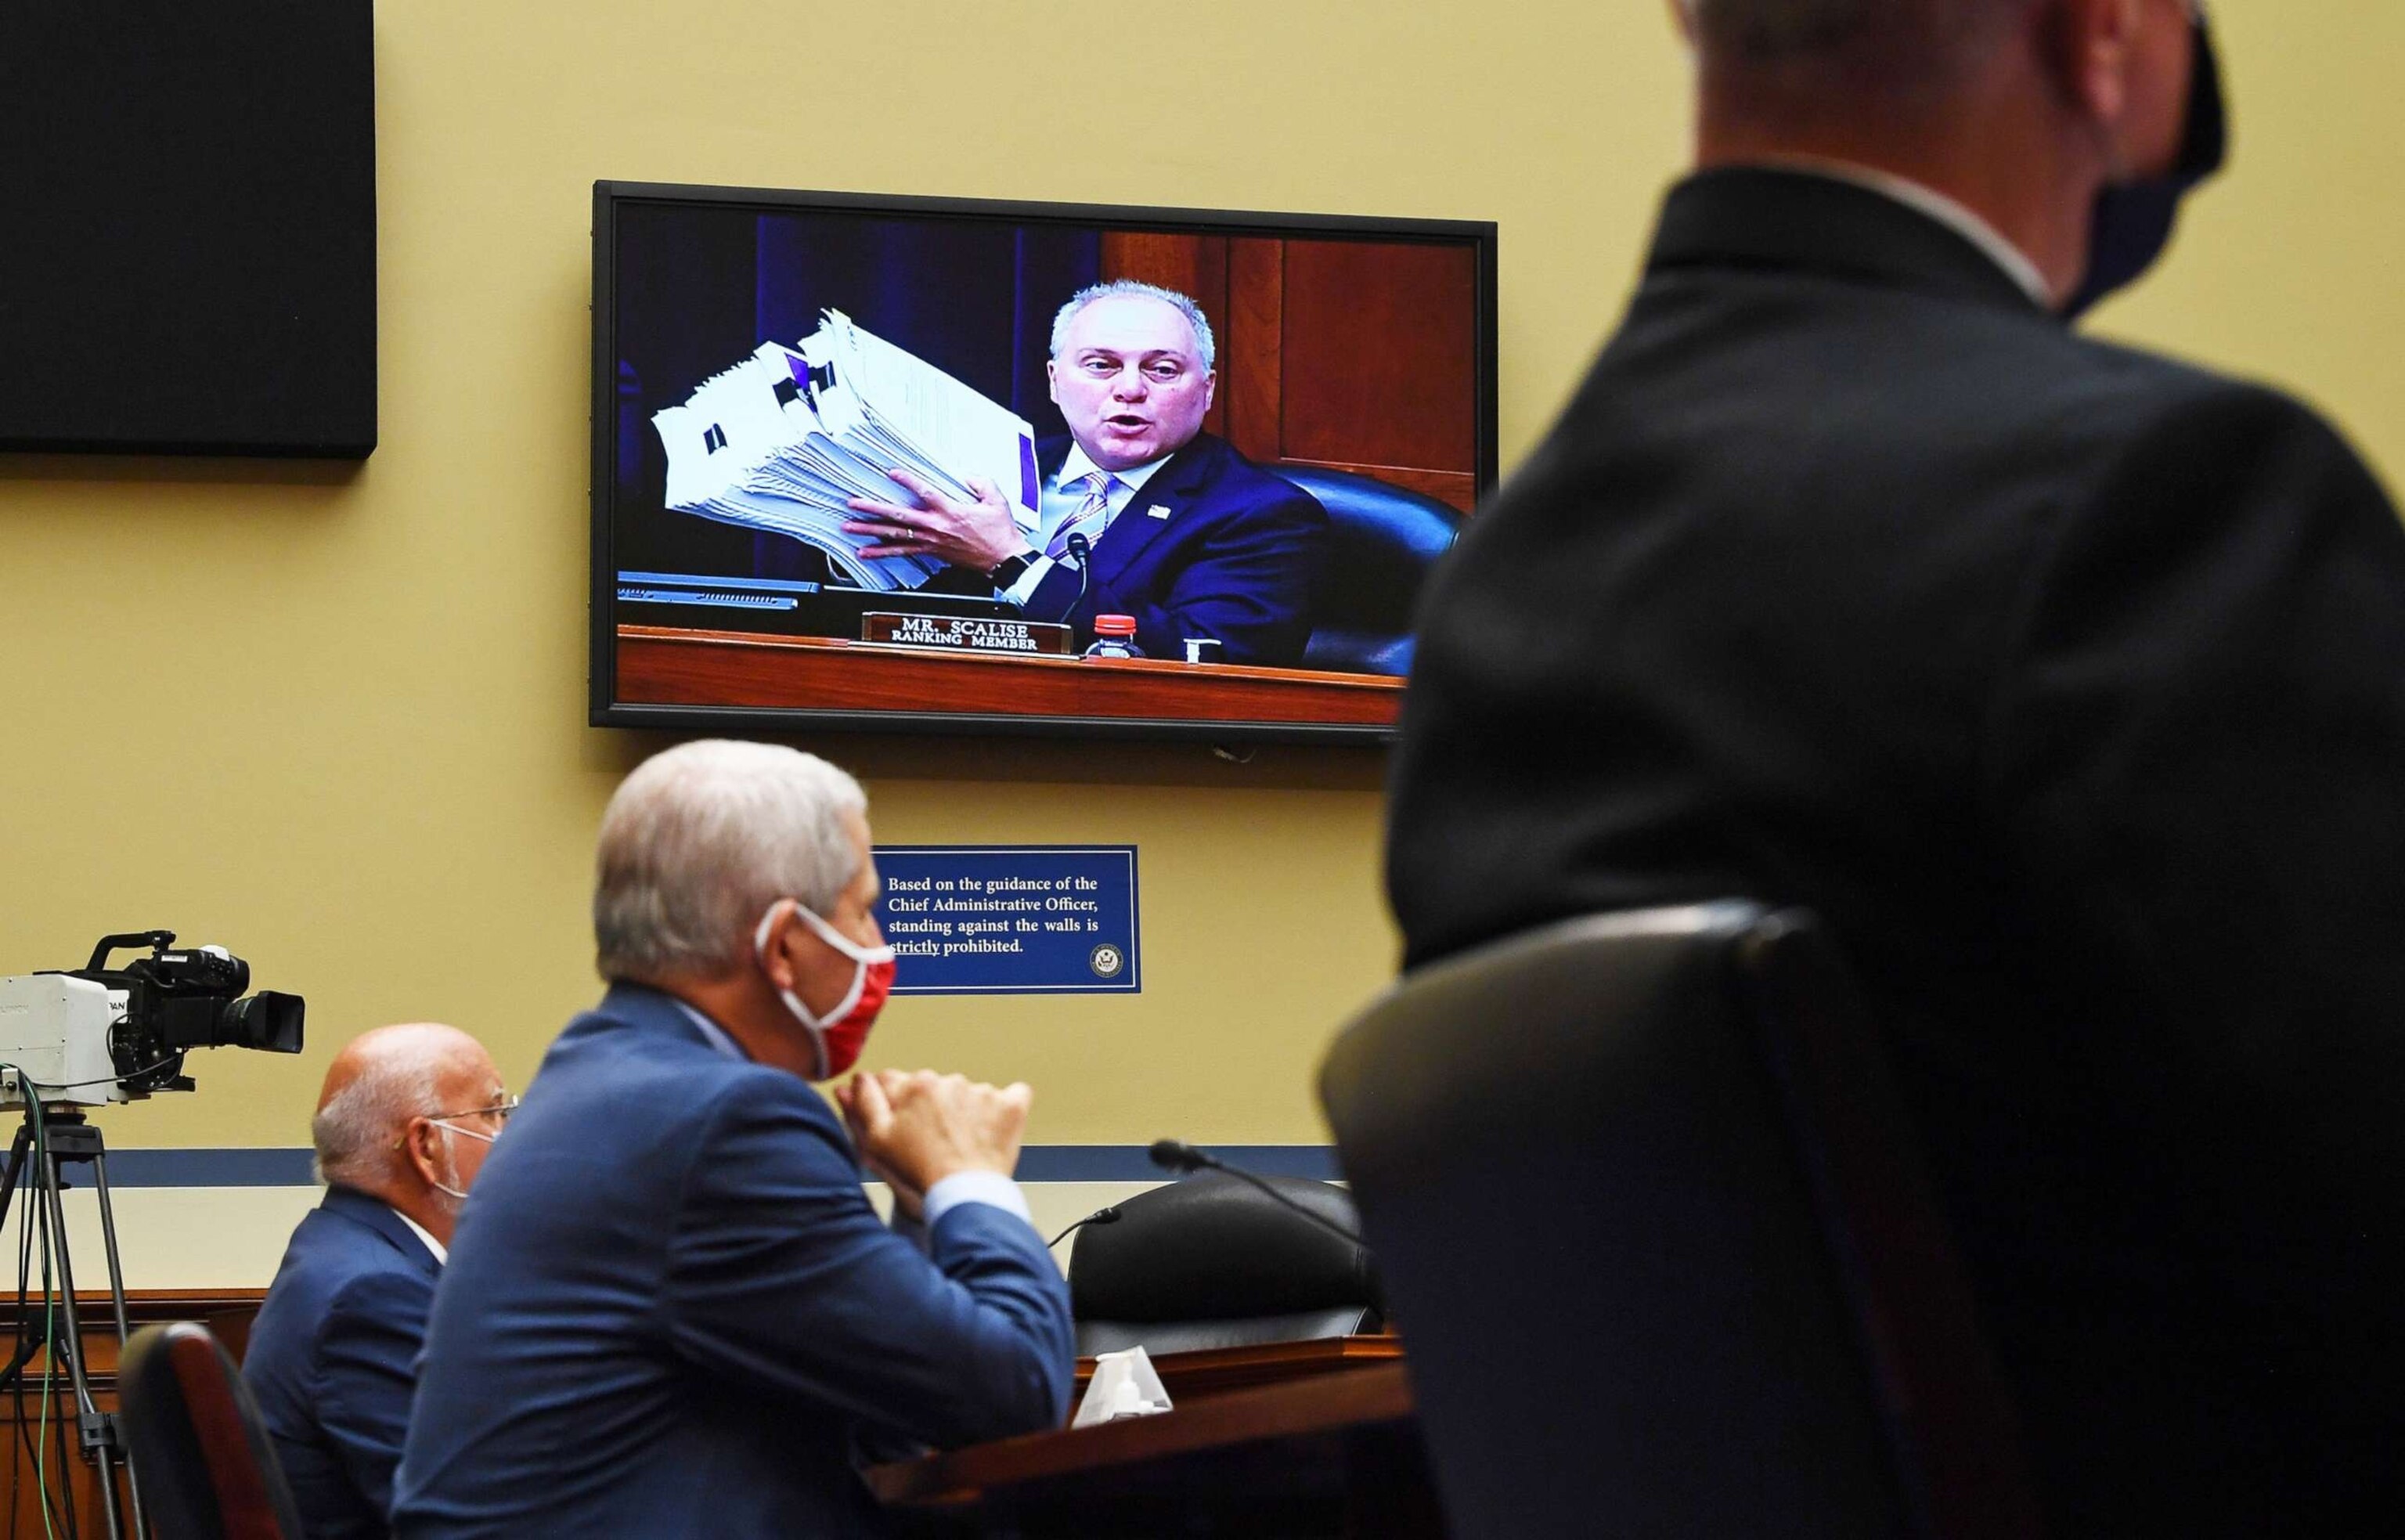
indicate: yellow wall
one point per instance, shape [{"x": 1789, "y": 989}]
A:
[{"x": 334, "y": 719}]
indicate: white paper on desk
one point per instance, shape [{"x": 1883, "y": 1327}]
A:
[{"x": 1125, "y": 1384}]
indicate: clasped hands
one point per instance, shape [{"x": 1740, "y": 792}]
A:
[
  {"x": 979, "y": 535},
  {"x": 915, "y": 1128}
]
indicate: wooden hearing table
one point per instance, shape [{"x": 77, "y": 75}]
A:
[
  {"x": 1324, "y": 1443},
  {"x": 659, "y": 666}
]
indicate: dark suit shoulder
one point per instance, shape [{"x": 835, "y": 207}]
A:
[
  {"x": 632, "y": 1038},
  {"x": 2226, "y": 420},
  {"x": 2132, "y": 390},
  {"x": 2220, "y": 519},
  {"x": 335, "y": 1243},
  {"x": 2159, "y": 450},
  {"x": 1227, "y": 477},
  {"x": 754, "y": 1090},
  {"x": 1798, "y": 378},
  {"x": 376, "y": 1291},
  {"x": 1769, "y": 479},
  {"x": 1271, "y": 493},
  {"x": 681, "y": 1091}
]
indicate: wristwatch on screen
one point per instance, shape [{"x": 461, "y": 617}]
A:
[{"x": 1009, "y": 570}]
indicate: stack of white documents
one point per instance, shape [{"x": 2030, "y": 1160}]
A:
[{"x": 785, "y": 439}]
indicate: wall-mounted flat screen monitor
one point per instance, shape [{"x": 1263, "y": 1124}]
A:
[{"x": 919, "y": 463}]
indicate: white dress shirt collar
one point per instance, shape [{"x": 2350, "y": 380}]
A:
[
  {"x": 1080, "y": 464},
  {"x": 442, "y": 1252},
  {"x": 1935, "y": 206}
]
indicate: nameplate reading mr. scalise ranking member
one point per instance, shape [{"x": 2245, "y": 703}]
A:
[{"x": 964, "y": 633}]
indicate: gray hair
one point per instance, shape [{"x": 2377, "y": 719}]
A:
[
  {"x": 1782, "y": 31},
  {"x": 700, "y": 839},
  {"x": 1183, "y": 305},
  {"x": 355, "y": 1130}
]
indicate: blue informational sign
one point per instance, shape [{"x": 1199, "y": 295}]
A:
[{"x": 1011, "y": 919}]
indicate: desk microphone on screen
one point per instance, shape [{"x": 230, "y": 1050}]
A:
[
  {"x": 1079, "y": 548},
  {"x": 1178, "y": 1156}
]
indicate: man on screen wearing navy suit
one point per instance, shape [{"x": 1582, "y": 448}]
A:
[
  {"x": 400, "y": 1131},
  {"x": 671, "y": 1310},
  {"x": 1182, "y": 532}
]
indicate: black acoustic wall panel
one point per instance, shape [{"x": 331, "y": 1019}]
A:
[{"x": 188, "y": 226}]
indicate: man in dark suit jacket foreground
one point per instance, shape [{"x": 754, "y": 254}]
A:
[
  {"x": 1187, "y": 535},
  {"x": 400, "y": 1131},
  {"x": 671, "y": 1310},
  {"x": 2067, "y": 683}
]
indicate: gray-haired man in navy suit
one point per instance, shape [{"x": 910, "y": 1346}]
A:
[
  {"x": 671, "y": 1310},
  {"x": 1180, "y": 530}
]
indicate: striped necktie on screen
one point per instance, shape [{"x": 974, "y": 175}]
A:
[{"x": 1090, "y": 516}]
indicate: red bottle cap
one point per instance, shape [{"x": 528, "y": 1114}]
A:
[{"x": 1114, "y": 624}]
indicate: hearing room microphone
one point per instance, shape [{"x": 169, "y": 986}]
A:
[{"x": 1178, "y": 1156}]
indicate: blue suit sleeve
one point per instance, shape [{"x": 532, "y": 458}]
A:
[
  {"x": 366, "y": 1371},
  {"x": 782, "y": 1277}
]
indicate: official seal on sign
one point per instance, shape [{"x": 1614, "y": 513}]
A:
[{"x": 1106, "y": 960}]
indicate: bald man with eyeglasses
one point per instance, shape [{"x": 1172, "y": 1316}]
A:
[{"x": 402, "y": 1128}]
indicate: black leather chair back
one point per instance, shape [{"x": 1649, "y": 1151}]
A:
[
  {"x": 1384, "y": 540},
  {"x": 1211, "y": 1261},
  {"x": 198, "y": 1447},
  {"x": 1654, "y": 1233}
]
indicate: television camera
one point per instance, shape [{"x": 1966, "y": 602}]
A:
[
  {"x": 84, "y": 1038},
  {"x": 95, "y": 1035}
]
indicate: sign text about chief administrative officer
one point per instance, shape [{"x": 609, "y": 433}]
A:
[{"x": 1011, "y": 919}]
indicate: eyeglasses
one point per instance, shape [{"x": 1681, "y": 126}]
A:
[{"x": 498, "y": 1111}]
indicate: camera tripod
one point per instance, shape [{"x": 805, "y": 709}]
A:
[{"x": 55, "y": 1139}]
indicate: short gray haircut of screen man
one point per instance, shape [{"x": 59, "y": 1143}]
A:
[
  {"x": 701, "y": 838},
  {"x": 1183, "y": 305},
  {"x": 1774, "y": 30}
]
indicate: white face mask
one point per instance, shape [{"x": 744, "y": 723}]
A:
[
  {"x": 832, "y": 1058},
  {"x": 455, "y": 1191}
]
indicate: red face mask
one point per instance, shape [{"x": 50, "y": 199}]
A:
[{"x": 837, "y": 1037}]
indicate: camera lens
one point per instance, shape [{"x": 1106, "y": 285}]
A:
[{"x": 266, "y": 1021}]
